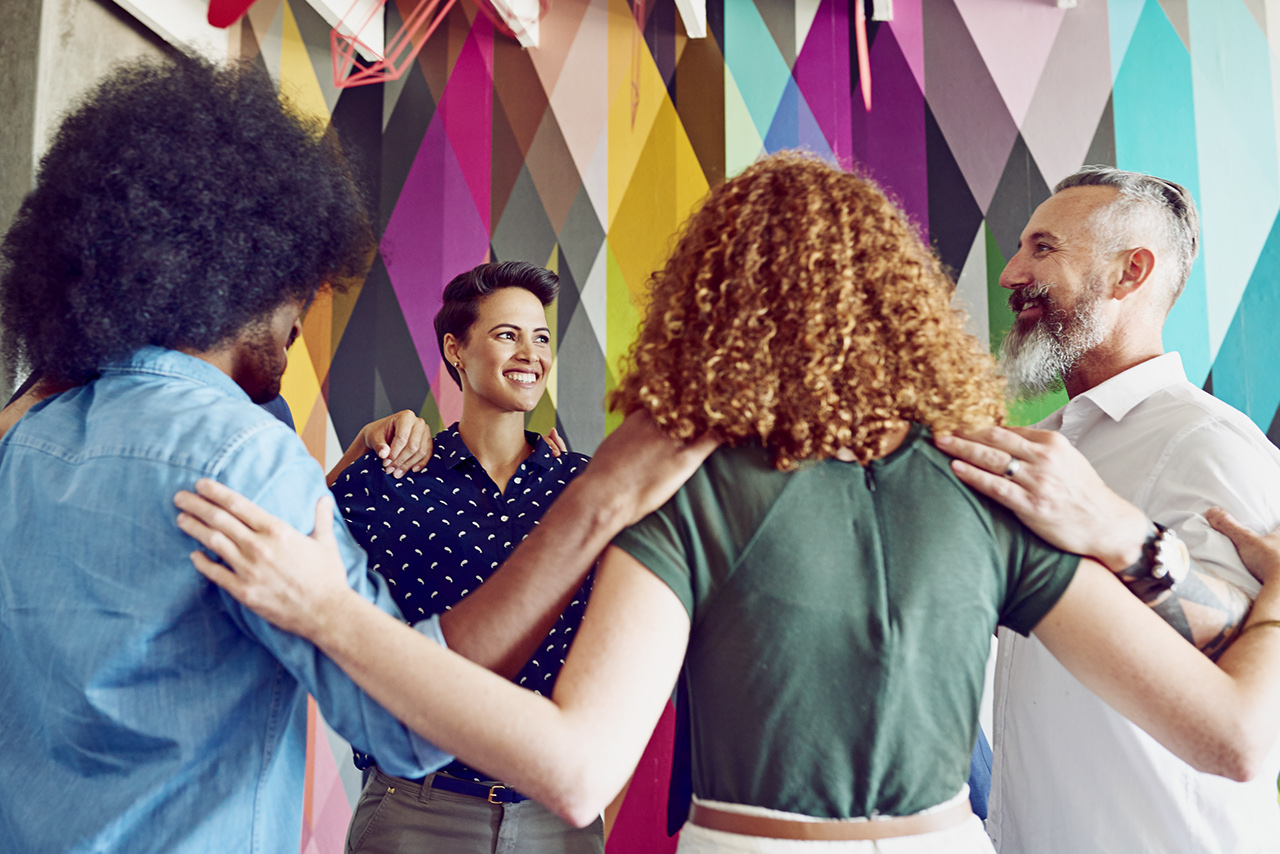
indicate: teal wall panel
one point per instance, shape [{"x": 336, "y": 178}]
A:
[{"x": 1155, "y": 131}]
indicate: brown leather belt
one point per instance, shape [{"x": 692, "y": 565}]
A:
[{"x": 781, "y": 828}]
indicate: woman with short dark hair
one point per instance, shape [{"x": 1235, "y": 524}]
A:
[{"x": 437, "y": 534}]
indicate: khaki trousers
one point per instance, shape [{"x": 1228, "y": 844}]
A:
[{"x": 395, "y": 816}]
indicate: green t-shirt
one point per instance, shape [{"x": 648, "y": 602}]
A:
[{"x": 841, "y": 622}]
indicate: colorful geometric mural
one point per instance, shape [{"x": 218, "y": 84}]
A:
[{"x": 586, "y": 153}]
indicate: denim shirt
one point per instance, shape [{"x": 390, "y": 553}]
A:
[{"x": 142, "y": 708}]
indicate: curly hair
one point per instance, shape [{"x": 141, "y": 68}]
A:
[
  {"x": 180, "y": 202},
  {"x": 800, "y": 308}
]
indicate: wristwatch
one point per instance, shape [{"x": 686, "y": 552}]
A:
[{"x": 1165, "y": 561}]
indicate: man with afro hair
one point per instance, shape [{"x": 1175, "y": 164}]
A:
[{"x": 181, "y": 222}]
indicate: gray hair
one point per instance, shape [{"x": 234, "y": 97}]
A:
[{"x": 1144, "y": 205}]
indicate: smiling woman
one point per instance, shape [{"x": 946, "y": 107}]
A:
[{"x": 438, "y": 536}]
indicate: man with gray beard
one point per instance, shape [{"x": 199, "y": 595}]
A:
[
  {"x": 1125, "y": 473},
  {"x": 1034, "y": 359}
]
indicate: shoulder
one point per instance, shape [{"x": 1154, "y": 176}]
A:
[
  {"x": 268, "y": 463},
  {"x": 166, "y": 420},
  {"x": 568, "y": 465},
  {"x": 364, "y": 472},
  {"x": 1198, "y": 427},
  {"x": 1183, "y": 404}
]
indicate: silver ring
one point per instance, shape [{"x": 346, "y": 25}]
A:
[{"x": 1012, "y": 469}]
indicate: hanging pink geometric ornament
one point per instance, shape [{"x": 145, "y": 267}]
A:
[
  {"x": 356, "y": 63},
  {"x": 349, "y": 66}
]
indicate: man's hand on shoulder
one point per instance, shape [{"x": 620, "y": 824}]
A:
[
  {"x": 1260, "y": 553},
  {"x": 402, "y": 442},
  {"x": 1052, "y": 489}
]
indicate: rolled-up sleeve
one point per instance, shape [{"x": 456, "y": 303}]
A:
[{"x": 291, "y": 493}]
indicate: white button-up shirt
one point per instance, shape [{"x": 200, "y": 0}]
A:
[{"x": 1071, "y": 775}]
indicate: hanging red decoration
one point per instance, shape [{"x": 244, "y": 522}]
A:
[
  {"x": 509, "y": 22},
  {"x": 224, "y": 13}
]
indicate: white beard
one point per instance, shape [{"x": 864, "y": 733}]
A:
[{"x": 1034, "y": 361}]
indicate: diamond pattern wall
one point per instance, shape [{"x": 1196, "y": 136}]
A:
[{"x": 585, "y": 155}]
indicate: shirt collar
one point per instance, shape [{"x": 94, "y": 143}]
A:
[
  {"x": 1127, "y": 389},
  {"x": 455, "y": 453},
  {"x": 541, "y": 456},
  {"x": 173, "y": 363}
]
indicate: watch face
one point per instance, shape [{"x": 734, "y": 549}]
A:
[
  {"x": 1172, "y": 559},
  {"x": 1184, "y": 561}
]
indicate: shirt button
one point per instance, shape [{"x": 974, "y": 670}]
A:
[{"x": 504, "y": 518}]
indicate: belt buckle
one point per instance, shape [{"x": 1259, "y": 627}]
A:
[{"x": 493, "y": 793}]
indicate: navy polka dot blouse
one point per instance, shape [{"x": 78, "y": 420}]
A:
[{"x": 437, "y": 535}]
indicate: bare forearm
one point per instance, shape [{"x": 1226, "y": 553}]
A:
[
  {"x": 1203, "y": 608},
  {"x": 500, "y": 625},
  {"x": 512, "y": 733},
  {"x": 634, "y": 472},
  {"x": 1253, "y": 662},
  {"x": 1221, "y": 719},
  {"x": 573, "y": 755}
]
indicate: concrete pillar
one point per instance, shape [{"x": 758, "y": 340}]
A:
[{"x": 54, "y": 50}]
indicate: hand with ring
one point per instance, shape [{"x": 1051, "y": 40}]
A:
[{"x": 1052, "y": 488}]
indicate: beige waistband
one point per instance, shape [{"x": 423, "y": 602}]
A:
[{"x": 781, "y": 828}]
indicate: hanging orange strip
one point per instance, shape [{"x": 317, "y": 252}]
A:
[{"x": 864, "y": 59}]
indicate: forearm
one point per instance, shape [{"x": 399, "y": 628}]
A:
[
  {"x": 573, "y": 752},
  {"x": 573, "y": 755},
  {"x": 635, "y": 470},
  {"x": 1253, "y": 663},
  {"x": 1221, "y": 719},
  {"x": 512, "y": 733},
  {"x": 500, "y": 625},
  {"x": 1055, "y": 492},
  {"x": 1259, "y": 633},
  {"x": 1203, "y": 608}
]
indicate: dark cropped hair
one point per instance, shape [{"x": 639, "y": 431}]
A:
[
  {"x": 463, "y": 294},
  {"x": 179, "y": 203}
]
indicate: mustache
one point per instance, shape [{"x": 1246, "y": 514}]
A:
[{"x": 1019, "y": 299}]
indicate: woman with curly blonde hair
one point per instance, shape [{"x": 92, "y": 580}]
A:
[
  {"x": 824, "y": 585},
  {"x": 799, "y": 309}
]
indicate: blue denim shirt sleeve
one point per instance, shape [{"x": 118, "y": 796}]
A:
[{"x": 291, "y": 493}]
